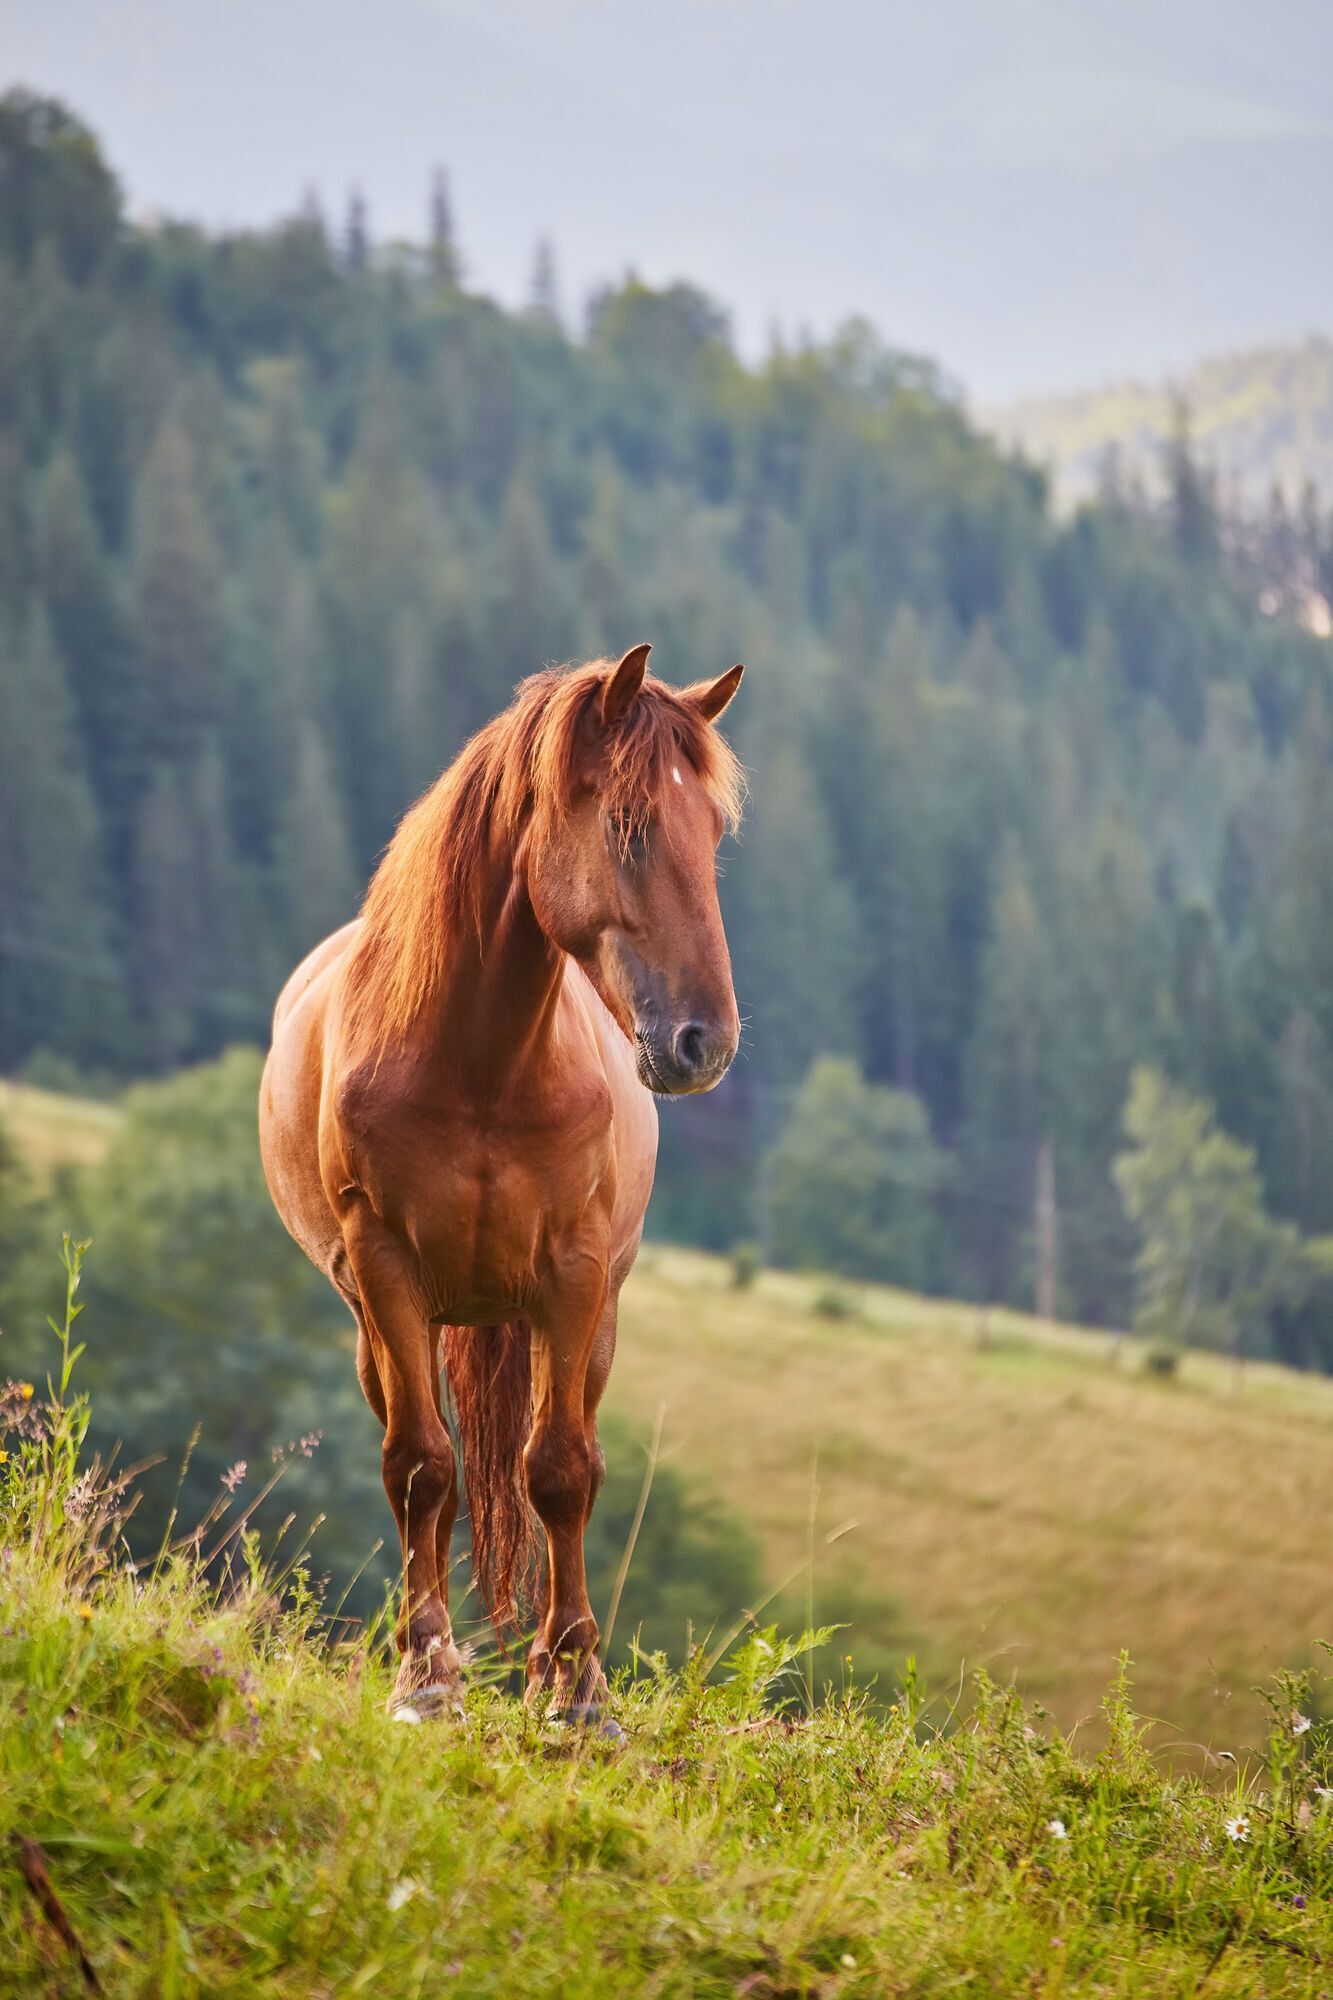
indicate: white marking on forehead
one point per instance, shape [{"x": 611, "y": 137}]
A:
[{"x": 675, "y": 772}]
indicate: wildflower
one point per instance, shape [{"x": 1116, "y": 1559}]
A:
[
  {"x": 1323, "y": 1791},
  {"x": 403, "y": 1890},
  {"x": 86, "y": 1613},
  {"x": 1298, "y": 1902},
  {"x": 232, "y": 1478},
  {"x": 1299, "y": 1723},
  {"x": 1057, "y": 1829},
  {"x": 1238, "y": 1829},
  {"x": 848, "y": 1961},
  {"x": 4, "y": 1457},
  {"x": 26, "y": 1391}
]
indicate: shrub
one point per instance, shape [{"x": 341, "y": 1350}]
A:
[
  {"x": 746, "y": 1264},
  {"x": 830, "y": 1303},
  {"x": 851, "y": 1184},
  {"x": 1161, "y": 1359}
]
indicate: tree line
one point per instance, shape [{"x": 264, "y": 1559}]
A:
[{"x": 1036, "y": 800}]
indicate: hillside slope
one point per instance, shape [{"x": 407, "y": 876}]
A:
[
  {"x": 1023, "y": 1496},
  {"x": 196, "y": 1798},
  {"x": 53, "y": 1129},
  {"x": 1262, "y": 417}
]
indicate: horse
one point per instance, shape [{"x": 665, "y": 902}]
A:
[{"x": 458, "y": 1125}]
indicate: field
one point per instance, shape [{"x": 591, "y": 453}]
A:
[
  {"x": 199, "y": 1798},
  {"x": 1024, "y": 1496},
  {"x": 203, "y": 1796},
  {"x": 51, "y": 1129},
  {"x": 1019, "y": 1495}
]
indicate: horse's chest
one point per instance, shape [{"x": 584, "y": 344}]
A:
[{"x": 497, "y": 1212}]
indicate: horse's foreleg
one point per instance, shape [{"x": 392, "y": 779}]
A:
[
  {"x": 562, "y": 1463},
  {"x": 418, "y": 1459}
]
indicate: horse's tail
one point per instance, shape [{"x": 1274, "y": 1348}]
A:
[{"x": 489, "y": 1376}]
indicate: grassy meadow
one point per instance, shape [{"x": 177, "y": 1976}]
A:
[
  {"x": 52, "y": 1129},
  {"x": 200, "y": 1796},
  {"x": 1024, "y": 1496},
  {"x": 200, "y": 1793},
  {"x": 973, "y": 1487}
]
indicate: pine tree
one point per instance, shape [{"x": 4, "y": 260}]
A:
[
  {"x": 383, "y": 552},
  {"x": 59, "y": 980},
  {"x": 793, "y": 924},
  {"x": 527, "y": 623},
  {"x": 198, "y": 979},
  {"x": 443, "y": 247},
  {"x": 602, "y": 597},
  {"x": 77, "y": 590},
  {"x": 1010, "y": 1088},
  {"x": 544, "y": 290},
  {"x": 1193, "y": 513},
  {"x": 315, "y": 875},
  {"x": 176, "y": 596},
  {"x": 356, "y": 235},
  {"x": 15, "y": 539}
]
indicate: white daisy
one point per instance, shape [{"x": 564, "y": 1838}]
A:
[
  {"x": 1057, "y": 1829},
  {"x": 1238, "y": 1829}
]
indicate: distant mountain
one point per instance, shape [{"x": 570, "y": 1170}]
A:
[{"x": 1258, "y": 418}]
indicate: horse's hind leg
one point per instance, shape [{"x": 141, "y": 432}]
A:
[
  {"x": 418, "y": 1459},
  {"x": 444, "y": 1527},
  {"x": 367, "y": 1369},
  {"x": 368, "y": 1373}
]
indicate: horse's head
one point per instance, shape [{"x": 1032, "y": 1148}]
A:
[{"x": 626, "y": 881}]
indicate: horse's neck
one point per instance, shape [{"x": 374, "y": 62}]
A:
[{"x": 497, "y": 1010}]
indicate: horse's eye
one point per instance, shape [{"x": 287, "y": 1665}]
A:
[{"x": 629, "y": 834}]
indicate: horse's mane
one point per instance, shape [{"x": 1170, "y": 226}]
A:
[{"x": 426, "y": 897}]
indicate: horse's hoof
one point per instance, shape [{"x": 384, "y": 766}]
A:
[
  {"x": 437, "y": 1702},
  {"x": 588, "y": 1715}
]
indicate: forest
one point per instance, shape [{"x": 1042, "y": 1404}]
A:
[{"x": 1038, "y": 801}]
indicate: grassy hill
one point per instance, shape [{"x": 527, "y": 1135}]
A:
[
  {"x": 1024, "y": 1496},
  {"x": 199, "y": 1798},
  {"x": 52, "y": 1129},
  {"x": 1262, "y": 416},
  {"x": 201, "y": 1794}
]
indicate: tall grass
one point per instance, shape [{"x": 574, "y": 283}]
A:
[{"x": 200, "y": 1794}]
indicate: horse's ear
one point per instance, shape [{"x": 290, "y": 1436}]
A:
[
  {"x": 624, "y": 684},
  {"x": 712, "y": 696}
]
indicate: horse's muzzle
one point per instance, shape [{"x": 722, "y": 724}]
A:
[{"x": 694, "y": 1057}]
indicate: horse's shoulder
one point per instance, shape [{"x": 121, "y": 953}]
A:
[{"x": 317, "y": 962}]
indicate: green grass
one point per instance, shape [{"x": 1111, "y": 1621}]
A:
[
  {"x": 51, "y": 1129},
  {"x": 220, "y": 1807},
  {"x": 1019, "y": 1495},
  {"x": 1024, "y": 1496}
]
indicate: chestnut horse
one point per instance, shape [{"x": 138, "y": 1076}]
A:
[{"x": 458, "y": 1126}]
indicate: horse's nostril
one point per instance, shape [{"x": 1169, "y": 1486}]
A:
[{"x": 691, "y": 1046}]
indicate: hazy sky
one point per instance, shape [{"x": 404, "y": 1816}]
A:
[{"x": 1038, "y": 192}]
